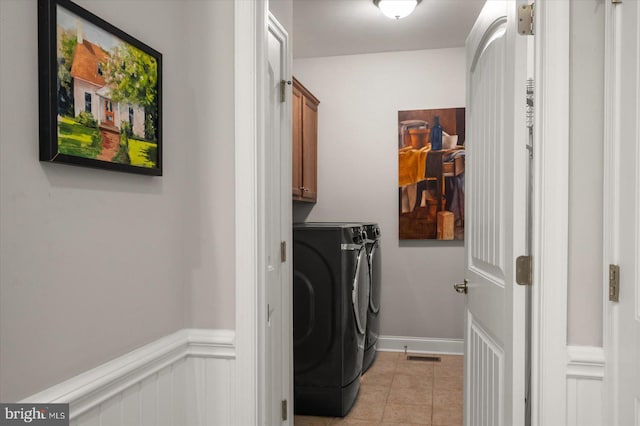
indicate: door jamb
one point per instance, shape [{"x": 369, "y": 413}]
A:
[
  {"x": 611, "y": 199},
  {"x": 550, "y": 213},
  {"x": 250, "y": 41}
]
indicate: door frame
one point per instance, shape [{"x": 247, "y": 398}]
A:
[
  {"x": 250, "y": 50},
  {"x": 550, "y": 213},
  {"x": 550, "y": 209},
  {"x": 611, "y": 205}
]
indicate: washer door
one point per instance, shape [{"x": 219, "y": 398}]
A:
[
  {"x": 314, "y": 308},
  {"x": 360, "y": 292},
  {"x": 374, "y": 272}
]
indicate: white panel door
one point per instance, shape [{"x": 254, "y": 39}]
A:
[
  {"x": 628, "y": 363},
  {"x": 277, "y": 227},
  {"x": 496, "y": 190}
]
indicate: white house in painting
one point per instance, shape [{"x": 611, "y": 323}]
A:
[{"x": 91, "y": 94}]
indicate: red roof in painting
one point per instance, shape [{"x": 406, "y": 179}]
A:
[{"x": 85, "y": 62}]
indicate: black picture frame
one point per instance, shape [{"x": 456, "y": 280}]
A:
[{"x": 91, "y": 112}]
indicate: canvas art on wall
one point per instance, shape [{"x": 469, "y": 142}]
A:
[
  {"x": 431, "y": 163},
  {"x": 100, "y": 93}
]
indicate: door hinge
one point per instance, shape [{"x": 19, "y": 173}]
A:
[
  {"x": 283, "y": 89},
  {"x": 284, "y": 410},
  {"x": 523, "y": 270},
  {"x": 614, "y": 283},
  {"x": 283, "y": 251},
  {"x": 526, "y": 21},
  {"x": 530, "y": 113}
]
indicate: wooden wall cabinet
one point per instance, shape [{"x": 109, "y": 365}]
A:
[{"x": 305, "y": 144}]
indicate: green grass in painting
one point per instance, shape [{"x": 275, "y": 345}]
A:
[
  {"x": 76, "y": 139},
  {"x": 143, "y": 153}
]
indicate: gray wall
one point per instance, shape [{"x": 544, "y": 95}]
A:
[
  {"x": 586, "y": 173},
  {"x": 360, "y": 96},
  {"x": 283, "y": 12},
  {"x": 93, "y": 263}
]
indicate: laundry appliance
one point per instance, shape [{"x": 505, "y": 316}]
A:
[
  {"x": 374, "y": 257},
  {"x": 330, "y": 303}
]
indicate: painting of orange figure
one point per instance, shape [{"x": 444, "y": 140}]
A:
[{"x": 431, "y": 164}]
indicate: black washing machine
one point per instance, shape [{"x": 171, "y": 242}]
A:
[
  {"x": 330, "y": 303},
  {"x": 372, "y": 244}
]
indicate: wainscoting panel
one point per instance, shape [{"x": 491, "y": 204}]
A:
[
  {"x": 585, "y": 374},
  {"x": 484, "y": 387},
  {"x": 186, "y": 378},
  {"x": 132, "y": 403},
  {"x": 211, "y": 392}
]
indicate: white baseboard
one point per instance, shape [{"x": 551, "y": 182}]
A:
[
  {"x": 178, "y": 378},
  {"x": 421, "y": 345},
  {"x": 585, "y": 391}
]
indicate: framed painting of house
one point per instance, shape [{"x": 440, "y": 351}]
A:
[
  {"x": 431, "y": 164},
  {"x": 100, "y": 93}
]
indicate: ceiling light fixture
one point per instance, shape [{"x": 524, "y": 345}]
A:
[{"x": 396, "y": 9}]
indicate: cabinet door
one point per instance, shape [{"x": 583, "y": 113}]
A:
[
  {"x": 309, "y": 149},
  {"x": 296, "y": 149}
]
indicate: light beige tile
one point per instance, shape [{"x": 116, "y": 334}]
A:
[
  {"x": 447, "y": 416},
  {"x": 395, "y": 424},
  {"x": 366, "y": 411},
  {"x": 406, "y": 381},
  {"x": 405, "y": 396},
  {"x": 450, "y": 366},
  {"x": 350, "y": 421},
  {"x": 370, "y": 403},
  {"x": 387, "y": 356},
  {"x": 373, "y": 393},
  {"x": 415, "y": 368},
  {"x": 411, "y": 414},
  {"x": 457, "y": 360},
  {"x": 447, "y": 398},
  {"x": 383, "y": 365},
  {"x": 377, "y": 379},
  {"x": 311, "y": 421},
  {"x": 447, "y": 383}
]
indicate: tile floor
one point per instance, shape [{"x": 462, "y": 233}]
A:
[{"x": 395, "y": 391}]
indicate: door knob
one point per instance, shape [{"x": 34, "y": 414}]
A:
[{"x": 461, "y": 287}]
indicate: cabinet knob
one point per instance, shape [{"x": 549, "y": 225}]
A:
[{"x": 304, "y": 189}]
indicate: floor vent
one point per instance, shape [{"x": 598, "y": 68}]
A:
[{"x": 423, "y": 358}]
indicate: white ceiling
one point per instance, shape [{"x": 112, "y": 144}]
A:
[{"x": 347, "y": 27}]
